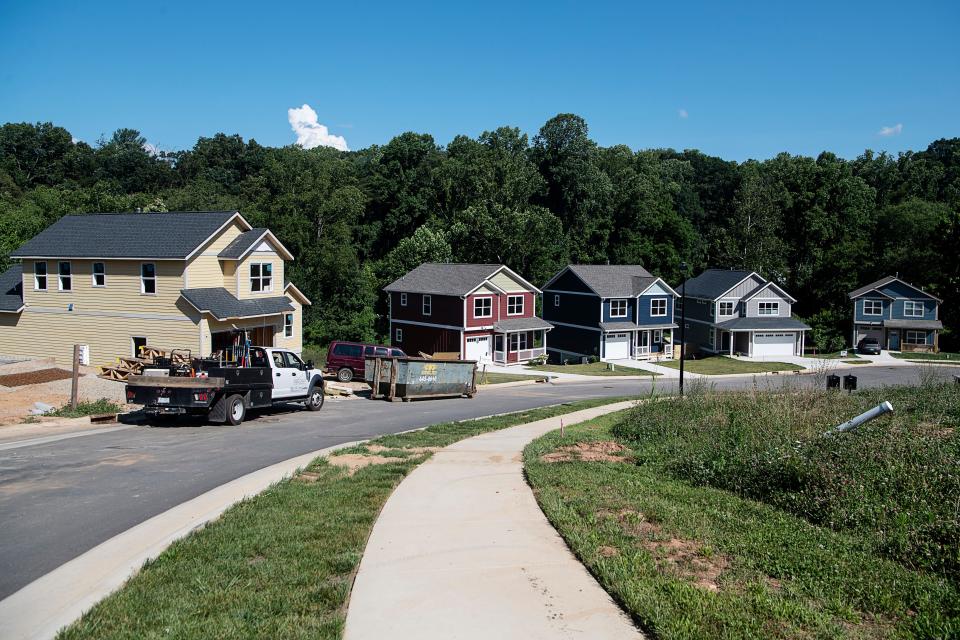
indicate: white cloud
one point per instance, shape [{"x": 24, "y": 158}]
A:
[
  {"x": 683, "y": 114},
  {"x": 311, "y": 133},
  {"x": 895, "y": 130}
]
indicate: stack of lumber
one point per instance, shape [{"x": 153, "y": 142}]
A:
[{"x": 131, "y": 366}]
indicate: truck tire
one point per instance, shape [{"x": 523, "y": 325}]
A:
[
  {"x": 314, "y": 401},
  {"x": 345, "y": 374},
  {"x": 236, "y": 410}
]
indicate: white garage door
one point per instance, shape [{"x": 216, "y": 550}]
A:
[
  {"x": 773, "y": 344},
  {"x": 478, "y": 348},
  {"x": 617, "y": 346}
]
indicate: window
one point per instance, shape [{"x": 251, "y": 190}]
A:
[
  {"x": 618, "y": 308},
  {"x": 726, "y": 308},
  {"x": 148, "y": 278},
  {"x": 278, "y": 360},
  {"x": 261, "y": 277},
  {"x": 514, "y": 305},
  {"x": 712, "y": 309},
  {"x": 556, "y": 299},
  {"x": 658, "y": 335},
  {"x": 658, "y": 307},
  {"x": 64, "y": 277},
  {"x": 292, "y": 361},
  {"x": 403, "y": 299},
  {"x": 40, "y": 276},
  {"x": 99, "y": 274},
  {"x": 348, "y": 350},
  {"x": 258, "y": 358},
  {"x": 398, "y": 335},
  {"x": 427, "y": 305},
  {"x": 518, "y": 341},
  {"x": 872, "y": 308},
  {"x": 136, "y": 344},
  {"x": 915, "y": 337},
  {"x": 710, "y": 336},
  {"x": 913, "y": 309},
  {"x": 398, "y": 353},
  {"x": 678, "y": 305},
  {"x": 288, "y": 325},
  {"x": 768, "y": 309},
  {"x": 482, "y": 307}
]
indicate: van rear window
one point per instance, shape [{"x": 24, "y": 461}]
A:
[{"x": 348, "y": 350}]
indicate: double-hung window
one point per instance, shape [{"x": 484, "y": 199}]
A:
[
  {"x": 726, "y": 308},
  {"x": 912, "y": 309},
  {"x": 427, "y": 307},
  {"x": 514, "y": 305},
  {"x": 64, "y": 277},
  {"x": 556, "y": 299},
  {"x": 403, "y": 299},
  {"x": 40, "y": 276},
  {"x": 148, "y": 278},
  {"x": 768, "y": 309},
  {"x": 99, "y": 274},
  {"x": 261, "y": 277},
  {"x": 915, "y": 337},
  {"x": 483, "y": 307},
  {"x": 518, "y": 341},
  {"x": 618, "y": 308},
  {"x": 872, "y": 308},
  {"x": 398, "y": 333},
  {"x": 288, "y": 325},
  {"x": 658, "y": 307}
]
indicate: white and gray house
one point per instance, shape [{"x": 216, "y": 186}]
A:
[{"x": 736, "y": 312}]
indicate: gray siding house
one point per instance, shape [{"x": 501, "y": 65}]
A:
[
  {"x": 741, "y": 313},
  {"x": 899, "y": 315}
]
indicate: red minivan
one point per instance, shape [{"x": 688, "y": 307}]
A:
[{"x": 346, "y": 358}]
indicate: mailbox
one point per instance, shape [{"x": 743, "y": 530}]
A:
[
  {"x": 833, "y": 381},
  {"x": 850, "y": 382}
]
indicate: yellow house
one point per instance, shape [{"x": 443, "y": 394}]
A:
[{"x": 117, "y": 281}]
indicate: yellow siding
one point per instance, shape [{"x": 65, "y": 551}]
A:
[
  {"x": 507, "y": 283},
  {"x": 39, "y": 334},
  {"x": 205, "y": 269},
  {"x": 230, "y": 275},
  {"x": 244, "y": 272},
  {"x": 295, "y": 342}
]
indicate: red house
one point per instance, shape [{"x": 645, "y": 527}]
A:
[{"x": 480, "y": 311}]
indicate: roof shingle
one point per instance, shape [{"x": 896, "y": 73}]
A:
[
  {"x": 614, "y": 280},
  {"x": 223, "y": 305},
  {"x": 242, "y": 243},
  {"x": 441, "y": 278},
  {"x": 11, "y": 289},
  {"x": 712, "y": 283}
]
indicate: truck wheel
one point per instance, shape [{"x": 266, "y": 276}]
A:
[
  {"x": 236, "y": 411},
  {"x": 315, "y": 400},
  {"x": 345, "y": 374}
]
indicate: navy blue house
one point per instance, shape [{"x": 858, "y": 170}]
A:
[
  {"x": 609, "y": 311},
  {"x": 899, "y": 315}
]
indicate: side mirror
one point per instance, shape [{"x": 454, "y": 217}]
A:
[{"x": 309, "y": 364}]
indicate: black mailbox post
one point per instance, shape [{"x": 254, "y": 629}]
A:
[
  {"x": 850, "y": 382},
  {"x": 833, "y": 381}
]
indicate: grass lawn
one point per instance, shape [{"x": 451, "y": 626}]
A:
[
  {"x": 593, "y": 369},
  {"x": 88, "y": 408},
  {"x": 919, "y": 356},
  {"x": 719, "y": 365},
  {"x": 855, "y": 361},
  {"x": 730, "y": 516},
  {"x": 834, "y": 356},
  {"x": 499, "y": 378},
  {"x": 281, "y": 564}
]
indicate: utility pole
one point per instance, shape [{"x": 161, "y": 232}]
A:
[{"x": 683, "y": 319}]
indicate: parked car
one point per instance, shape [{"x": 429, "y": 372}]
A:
[
  {"x": 346, "y": 359},
  {"x": 869, "y": 345}
]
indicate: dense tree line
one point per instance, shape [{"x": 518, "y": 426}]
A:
[{"x": 355, "y": 220}]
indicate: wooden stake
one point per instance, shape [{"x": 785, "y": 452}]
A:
[
  {"x": 76, "y": 377},
  {"x": 561, "y": 427}
]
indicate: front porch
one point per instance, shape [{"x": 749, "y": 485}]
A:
[
  {"x": 520, "y": 340},
  {"x": 637, "y": 343}
]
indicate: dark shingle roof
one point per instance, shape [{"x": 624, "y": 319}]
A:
[
  {"x": 125, "y": 235},
  {"x": 619, "y": 326},
  {"x": 241, "y": 243},
  {"x": 912, "y": 324},
  {"x": 521, "y": 324},
  {"x": 443, "y": 278},
  {"x": 712, "y": 283},
  {"x": 762, "y": 324},
  {"x": 223, "y": 305},
  {"x": 11, "y": 289},
  {"x": 885, "y": 281},
  {"x": 614, "y": 280}
]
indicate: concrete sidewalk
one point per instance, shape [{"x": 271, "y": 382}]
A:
[{"x": 462, "y": 550}]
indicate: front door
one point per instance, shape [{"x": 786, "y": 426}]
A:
[
  {"x": 893, "y": 339},
  {"x": 643, "y": 340}
]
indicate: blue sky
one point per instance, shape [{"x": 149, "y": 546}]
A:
[{"x": 753, "y": 79}]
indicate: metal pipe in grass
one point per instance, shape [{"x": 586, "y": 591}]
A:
[{"x": 881, "y": 409}]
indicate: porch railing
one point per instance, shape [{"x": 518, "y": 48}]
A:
[
  {"x": 528, "y": 354},
  {"x": 499, "y": 356}
]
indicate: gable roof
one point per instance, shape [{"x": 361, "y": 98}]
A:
[
  {"x": 223, "y": 305},
  {"x": 768, "y": 285},
  {"x": 856, "y": 293},
  {"x": 159, "y": 236},
  {"x": 448, "y": 279},
  {"x": 248, "y": 241},
  {"x": 713, "y": 283},
  {"x": 11, "y": 289},
  {"x": 611, "y": 280}
]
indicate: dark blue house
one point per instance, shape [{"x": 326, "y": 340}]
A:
[
  {"x": 609, "y": 311},
  {"x": 898, "y": 314}
]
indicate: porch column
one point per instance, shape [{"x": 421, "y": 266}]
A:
[{"x": 732, "y": 338}]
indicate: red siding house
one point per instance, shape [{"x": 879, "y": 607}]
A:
[{"x": 483, "y": 312}]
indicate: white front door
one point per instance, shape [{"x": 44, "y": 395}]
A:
[
  {"x": 478, "y": 348},
  {"x": 617, "y": 345},
  {"x": 773, "y": 344}
]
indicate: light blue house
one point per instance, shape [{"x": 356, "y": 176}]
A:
[
  {"x": 899, "y": 315},
  {"x": 612, "y": 312}
]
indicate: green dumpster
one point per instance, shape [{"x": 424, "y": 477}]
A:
[{"x": 408, "y": 378}]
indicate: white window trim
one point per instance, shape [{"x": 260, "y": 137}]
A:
[
  {"x": 658, "y": 335},
  {"x": 556, "y": 299},
  {"x": 60, "y": 276},
  {"x": 143, "y": 279},
  {"x": 426, "y": 305},
  {"x": 626, "y": 308},
  {"x": 261, "y": 277},
  {"x": 45, "y": 276},
  {"x": 515, "y": 337},
  {"x": 914, "y": 305},
  {"x": 653, "y": 313},
  {"x": 93, "y": 275},
  {"x": 403, "y": 299},
  {"x": 733, "y": 307},
  {"x": 775, "y": 307},
  {"x": 921, "y": 334},
  {"x": 288, "y": 326},
  {"x": 879, "y": 312},
  {"x": 397, "y": 334},
  {"x": 478, "y": 299},
  {"x": 514, "y": 297}
]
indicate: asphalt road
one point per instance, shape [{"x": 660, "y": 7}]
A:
[{"x": 60, "y": 499}]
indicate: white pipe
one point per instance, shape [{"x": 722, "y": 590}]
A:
[{"x": 881, "y": 409}]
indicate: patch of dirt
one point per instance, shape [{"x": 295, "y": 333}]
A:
[
  {"x": 307, "y": 476},
  {"x": 602, "y": 451},
  {"x": 33, "y": 377},
  {"x": 376, "y": 448},
  {"x": 355, "y": 461},
  {"x": 255, "y": 560},
  {"x": 608, "y": 552}
]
